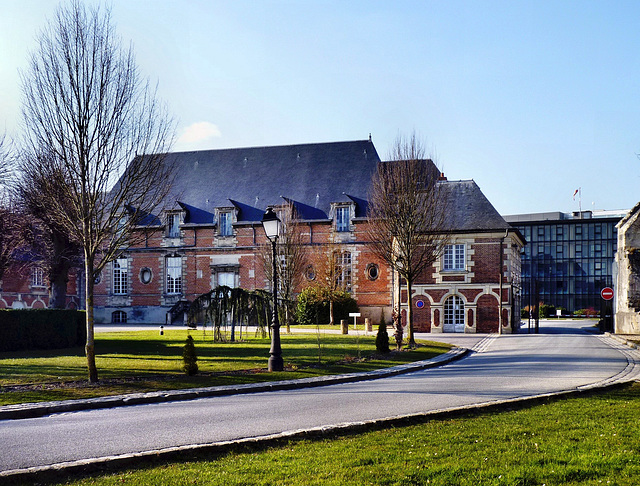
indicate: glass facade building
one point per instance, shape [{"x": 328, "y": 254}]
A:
[{"x": 568, "y": 258}]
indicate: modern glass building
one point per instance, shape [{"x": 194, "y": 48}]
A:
[{"x": 568, "y": 258}]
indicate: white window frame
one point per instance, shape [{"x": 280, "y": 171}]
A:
[
  {"x": 227, "y": 278},
  {"x": 120, "y": 276},
  {"x": 343, "y": 219},
  {"x": 343, "y": 270},
  {"x": 454, "y": 259},
  {"x": 37, "y": 277},
  {"x": 174, "y": 275},
  {"x": 225, "y": 223},
  {"x": 454, "y": 311},
  {"x": 119, "y": 317},
  {"x": 173, "y": 225}
]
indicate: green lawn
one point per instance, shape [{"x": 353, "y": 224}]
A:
[
  {"x": 146, "y": 361},
  {"x": 591, "y": 440}
]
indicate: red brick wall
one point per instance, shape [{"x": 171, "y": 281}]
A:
[
  {"x": 16, "y": 287},
  {"x": 487, "y": 314},
  {"x": 486, "y": 260},
  {"x": 421, "y": 316}
]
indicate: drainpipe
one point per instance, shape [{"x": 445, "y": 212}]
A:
[{"x": 501, "y": 279}]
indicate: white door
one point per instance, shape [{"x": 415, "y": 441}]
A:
[{"x": 453, "y": 315}]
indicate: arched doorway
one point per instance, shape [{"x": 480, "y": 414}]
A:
[{"x": 453, "y": 314}]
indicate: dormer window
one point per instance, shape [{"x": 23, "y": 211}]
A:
[
  {"x": 343, "y": 218},
  {"x": 173, "y": 224},
  {"x": 225, "y": 221}
]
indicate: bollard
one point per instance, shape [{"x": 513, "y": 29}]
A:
[
  {"x": 344, "y": 326},
  {"x": 161, "y": 330}
]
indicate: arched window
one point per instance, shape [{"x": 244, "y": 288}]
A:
[
  {"x": 119, "y": 317},
  {"x": 453, "y": 314}
]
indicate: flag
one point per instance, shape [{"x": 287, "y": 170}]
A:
[{"x": 574, "y": 194}]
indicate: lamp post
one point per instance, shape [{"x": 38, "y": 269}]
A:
[{"x": 271, "y": 225}]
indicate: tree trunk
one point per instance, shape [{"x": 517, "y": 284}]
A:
[
  {"x": 58, "y": 292},
  {"x": 331, "y": 312},
  {"x": 59, "y": 266},
  {"x": 397, "y": 320},
  {"x": 58, "y": 279},
  {"x": 90, "y": 345},
  {"x": 286, "y": 316},
  {"x": 410, "y": 337}
]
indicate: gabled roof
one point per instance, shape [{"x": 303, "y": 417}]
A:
[
  {"x": 312, "y": 176},
  {"x": 469, "y": 209}
]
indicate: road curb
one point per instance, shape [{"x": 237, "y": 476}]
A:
[
  {"x": 33, "y": 410},
  {"x": 118, "y": 462},
  {"x": 631, "y": 344}
]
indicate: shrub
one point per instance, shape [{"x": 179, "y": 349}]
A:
[
  {"x": 189, "y": 358},
  {"x": 547, "y": 310},
  {"x": 382, "y": 339},
  {"x": 27, "y": 329},
  {"x": 589, "y": 312},
  {"x": 313, "y": 306}
]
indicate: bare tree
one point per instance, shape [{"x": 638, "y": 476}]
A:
[
  {"x": 51, "y": 246},
  {"x": 6, "y": 162},
  {"x": 407, "y": 216},
  {"x": 88, "y": 112},
  {"x": 291, "y": 254},
  {"x": 11, "y": 220},
  {"x": 331, "y": 276}
]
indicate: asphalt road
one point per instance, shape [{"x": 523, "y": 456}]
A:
[{"x": 562, "y": 357}]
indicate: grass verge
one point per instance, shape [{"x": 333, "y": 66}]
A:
[
  {"x": 590, "y": 440},
  {"x": 142, "y": 361}
]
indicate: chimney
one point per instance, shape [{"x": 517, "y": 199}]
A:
[{"x": 442, "y": 177}]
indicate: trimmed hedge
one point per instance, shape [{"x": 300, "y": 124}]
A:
[
  {"x": 313, "y": 306},
  {"x": 41, "y": 329}
]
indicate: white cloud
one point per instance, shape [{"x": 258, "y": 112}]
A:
[{"x": 199, "y": 132}]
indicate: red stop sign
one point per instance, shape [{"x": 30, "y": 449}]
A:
[{"x": 607, "y": 293}]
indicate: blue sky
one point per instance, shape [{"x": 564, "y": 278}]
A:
[{"x": 530, "y": 99}]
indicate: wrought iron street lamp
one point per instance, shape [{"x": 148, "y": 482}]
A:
[{"x": 271, "y": 225}]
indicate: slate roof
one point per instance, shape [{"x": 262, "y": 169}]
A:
[
  {"x": 312, "y": 176},
  {"x": 469, "y": 210}
]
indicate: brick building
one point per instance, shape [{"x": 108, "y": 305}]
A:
[
  {"x": 25, "y": 286},
  {"x": 213, "y": 234},
  {"x": 464, "y": 290}
]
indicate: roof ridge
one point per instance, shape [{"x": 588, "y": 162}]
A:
[{"x": 261, "y": 147}]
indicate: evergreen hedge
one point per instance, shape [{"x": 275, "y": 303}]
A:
[
  {"x": 41, "y": 329},
  {"x": 313, "y": 306}
]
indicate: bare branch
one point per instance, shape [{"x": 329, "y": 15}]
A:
[
  {"x": 96, "y": 122},
  {"x": 407, "y": 213},
  {"x": 291, "y": 254}
]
